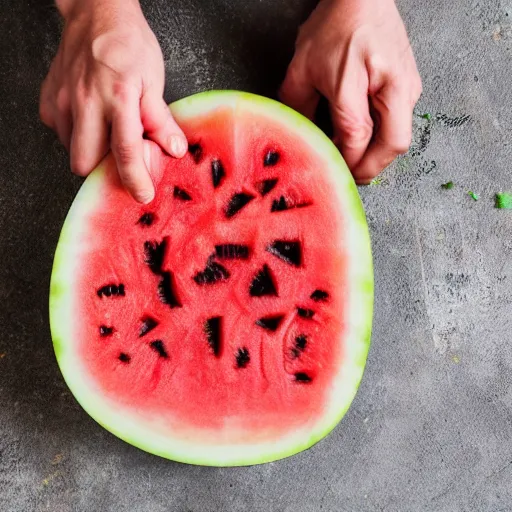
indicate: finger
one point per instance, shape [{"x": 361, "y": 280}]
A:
[
  {"x": 394, "y": 110},
  {"x": 297, "y": 90},
  {"x": 62, "y": 117},
  {"x": 350, "y": 114},
  {"x": 89, "y": 140},
  {"x": 45, "y": 105},
  {"x": 127, "y": 148},
  {"x": 160, "y": 126},
  {"x": 63, "y": 125}
]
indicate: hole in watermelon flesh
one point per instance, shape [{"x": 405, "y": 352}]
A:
[
  {"x": 289, "y": 251},
  {"x": 154, "y": 255},
  {"x": 124, "y": 358},
  {"x": 166, "y": 291},
  {"x": 262, "y": 283},
  {"x": 218, "y": 172},
  {"x": 302, "y": 377},
  {"x": 242, "y": 357},
  {"x": 271, "y": 158},
  {"x": 282, "y": 204},
  {"x": 265, "y": 186},
  {"x": 232, "y": 252},
  {"x": 159, "y": 348},
  {"x": 111, "y": 289},
  {"x": 148, "y": 324},
  {"x": 319, "y": 295},
  {"x": 305, "y": 312},
  {"x": 181, "y": 194},
  {"x": 196, "y": 151},
  {"x": 300, "y": 342},
  {"x": 212, "y": 273},
  {"x": 146, "y": 219},
  {"x": 106, "y": 331},
  {"x": 236, "y": 203},
  {"x": 271, "y": 323},
  {"x": 212, "y": 328}
]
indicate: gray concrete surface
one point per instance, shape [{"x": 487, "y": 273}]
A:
[{"x": 431, "y": 427}]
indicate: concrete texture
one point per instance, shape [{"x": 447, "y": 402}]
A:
[{"x": 431, "y": 427}]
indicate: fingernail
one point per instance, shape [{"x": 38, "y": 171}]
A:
[
  {"x": 178, "y": 146},
  {"x": 144, "y": 196}
]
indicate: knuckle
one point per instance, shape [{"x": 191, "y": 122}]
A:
[
  {"x": 125, "y": 152},
  {"x": 121, "y": 92},
  {"x": 355, "y": 130}
]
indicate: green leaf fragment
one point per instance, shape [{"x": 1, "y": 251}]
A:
[
  {"x": 504, "y": 201},
  {"x": 448, "y": 185},
  {"x": 473, "y": 195},
  {"x": 426, "y": 116},
  {"x": 377, "y": 181}
]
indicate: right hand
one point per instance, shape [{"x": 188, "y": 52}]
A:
[{"x": 105, "y": 89}]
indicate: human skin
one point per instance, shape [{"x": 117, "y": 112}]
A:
[
  {"x": 356, "y": 53},
  {"x": 105, "y": 85},
  {"x": 105, "y": 89}
]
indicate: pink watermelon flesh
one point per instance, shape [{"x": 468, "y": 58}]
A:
[
  {"x": 227, "y": 305},
  {"x": 222, "y": 314}
]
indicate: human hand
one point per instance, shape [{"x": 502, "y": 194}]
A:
[
  {"x": 105, "y": 88},
  {"x": 356, "y": 53}
]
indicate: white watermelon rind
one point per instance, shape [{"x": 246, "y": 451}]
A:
[{"x": 152, "y": 437}]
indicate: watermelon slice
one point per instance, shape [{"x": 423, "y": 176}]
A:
[{"x": 228, "y": 322}]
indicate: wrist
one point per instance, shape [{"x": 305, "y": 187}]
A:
[{"x": 74, "y": 8}]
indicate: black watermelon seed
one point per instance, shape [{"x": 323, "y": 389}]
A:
[
  {"x": 159, "y": 348},
  {"x": 305, "y": 312},
  {"x": 124, "y": 358},
  {"x": 181, "y": 194},
  {"x": 106, "y": 331},
  {"x": 232, "y": 251},
  {"x": 242, "y": 357},
  {"x": 166, "y": 291},
  {"x": 196, "y": 151},
  {"x": 302, "y": 377},
  {"x": 146, "y": 219},
  {"x": 212, "y": 330},
  {"x": 300, "y": 342},
  {"x": 212, "y": 273},
  {"x": 282, "y": 204},
  {"x": 279, "y": 205},
  {"x": 265, "y": 186},
  {"x": 271, "y": 323},
  {"x": 148, "y": 324},
  {"x": 262, "y": 283},
  {"x": 289, "y": 251},
  {"x": 319, "y": 295},
  {"x": 236, "y": 203},
  {"x": 218, "y": 173},
  {"x": 111, "y": 289},
  {"x": 154, "y": 255},
  {"x": 271, "y": 158}
]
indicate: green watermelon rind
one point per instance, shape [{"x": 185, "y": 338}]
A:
[{"x": 118, "y": 421}]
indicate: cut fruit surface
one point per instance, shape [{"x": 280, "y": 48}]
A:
[{"x": 227, "y": 322}]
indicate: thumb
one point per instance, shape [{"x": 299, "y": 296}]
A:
[
  {"x": 153, "y": 159},
  {"x": 160, "y": 126}
]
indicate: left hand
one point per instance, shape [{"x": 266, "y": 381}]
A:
[{"x": 357, "y": 54}]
